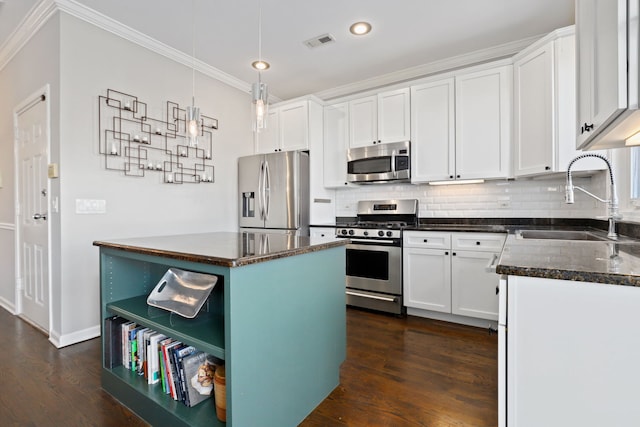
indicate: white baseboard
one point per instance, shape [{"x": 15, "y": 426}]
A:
[
  {"x": 8, "y": 305},
  {"x": 454, "y": 318},
  {"x": 75, "y": 337}
]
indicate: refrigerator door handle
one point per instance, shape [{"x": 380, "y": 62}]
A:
[
  {"x": 261, "y": 190},
  {"x": 267, "y": 189}
]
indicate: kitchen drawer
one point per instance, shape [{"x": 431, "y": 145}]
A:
[
  {"x": 421, "y": 239},
  {"x": 490, "y": 242}
]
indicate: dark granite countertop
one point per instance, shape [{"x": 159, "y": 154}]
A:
[
  {"x": 587, "y": 261},
  {"x": 226, "y": 249}
]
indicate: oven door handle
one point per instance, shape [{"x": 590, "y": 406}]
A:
[
  {"x": 358, "y": 294},
  {"x": 376, "y": 241}
]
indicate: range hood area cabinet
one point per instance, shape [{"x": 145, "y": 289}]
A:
[
  {"x": 379, "y": 119},
  {"x": 608, "y": 38},
  {"x": 545, "y": 107},
  {"x": 461, "y": 125}
]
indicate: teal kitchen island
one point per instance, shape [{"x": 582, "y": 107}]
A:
[{"x": 276, "y": 317}]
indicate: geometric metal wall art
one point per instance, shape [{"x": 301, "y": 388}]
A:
[{"x": 136, "y": 144}]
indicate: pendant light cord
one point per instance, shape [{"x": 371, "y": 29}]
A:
[
  {"x": 193, "y": 52},
  {"x": 259, "y": 36}
]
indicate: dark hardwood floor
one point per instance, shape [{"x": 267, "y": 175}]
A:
[{"x": 398, "y": 372}]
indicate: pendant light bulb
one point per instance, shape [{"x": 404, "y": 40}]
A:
[
  {"x": 260, "y": 106},
  {"x": 193, "y": 125}
]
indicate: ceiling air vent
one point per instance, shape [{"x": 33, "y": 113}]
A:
[{"x": 319, "y": 41}]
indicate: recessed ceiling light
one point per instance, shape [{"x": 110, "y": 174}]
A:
[
  {"x": 360, "y": 28},
  {"x": 260, "y": 65}
]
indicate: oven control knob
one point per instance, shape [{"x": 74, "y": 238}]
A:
[
  {"x": 350, "y": 232},
  {"x": 344, "y": 232},
  {"x": 380, "y": 233},
  {"x": 389, "y": 233},
  {"x": 366, "y": 233}
]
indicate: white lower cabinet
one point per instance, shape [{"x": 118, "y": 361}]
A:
[
  {"x": 473, "y": 284},
  {"x": 451, "y": 273},
  {"x": 571, "y": 354},
  {"x": 323, "y": 232}
]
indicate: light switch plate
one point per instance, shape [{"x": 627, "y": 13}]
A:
[{"x": 52, "y": 170}]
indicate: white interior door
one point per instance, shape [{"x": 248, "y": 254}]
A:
[{"x": 32, "y": 144}]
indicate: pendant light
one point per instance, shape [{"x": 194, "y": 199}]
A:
[
  {"x": 192, "y": 115},
  {"x": 259, "y": 91}
]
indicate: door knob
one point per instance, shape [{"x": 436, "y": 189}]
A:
[{"x": 40, "y": 216}]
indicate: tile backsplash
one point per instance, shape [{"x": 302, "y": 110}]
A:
[{"x": 527, "y": 198}]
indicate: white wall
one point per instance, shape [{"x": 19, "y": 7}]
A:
[
  {"x": 36, "y": 65},
  {"x": 92, "y": 61}
]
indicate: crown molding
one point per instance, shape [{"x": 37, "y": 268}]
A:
[
  {"x": 45, "y": 9},
  {"x": 448, "y": 64},
  {"x": 30, "y": 24},
  {"x": 106, "y": 23}
]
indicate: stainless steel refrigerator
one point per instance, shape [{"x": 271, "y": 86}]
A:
[{"x": 274, "y": 192}]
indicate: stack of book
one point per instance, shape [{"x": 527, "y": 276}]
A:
[{"x": 183, "y": 372}]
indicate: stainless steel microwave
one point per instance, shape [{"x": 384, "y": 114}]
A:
[{"x": 379, "y": 163}]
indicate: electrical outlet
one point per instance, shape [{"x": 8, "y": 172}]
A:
[{"x": 91, "y": 206}]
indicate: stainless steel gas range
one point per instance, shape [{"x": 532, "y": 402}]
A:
[{"x": 374, "y": 255}]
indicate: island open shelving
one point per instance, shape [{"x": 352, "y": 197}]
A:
[{"x": 277, "y": 319}]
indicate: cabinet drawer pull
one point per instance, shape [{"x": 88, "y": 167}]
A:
[
  {"x": 426, "y": 240},
  {"x": 478, "y": 243}
]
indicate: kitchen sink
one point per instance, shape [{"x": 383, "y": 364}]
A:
[{"x": 562, "y": 235}]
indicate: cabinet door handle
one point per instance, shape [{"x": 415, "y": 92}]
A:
[
  {"x": 497, "y": 290},
  {"x": 453, "y": 253},
  {"x": 425, "y": 240},
  {"x": 588, "y": 127},
  {"x": 478, "y": 243},
  {"x": 446, "y": 252}
]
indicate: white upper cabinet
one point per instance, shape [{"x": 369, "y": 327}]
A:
[
  {"x": 533, "y": 117},
  {"x": 461, "y": 126},
  {"x": 363, "y": 121},
  {"x": 268, "y": 140},
  {"x": 294, "y": 126},
  {"x": 483, "y": 123},
  {"x": 336, "y": 144},
  {"x": 379, "y": 119},
  {"x": 287, "y": 128},
  {"x": 433, "y": 131},
  {"x": 394, "y": 117},
  {"x": 545, "y": 107},
  {"x": 607, "y": 71}
]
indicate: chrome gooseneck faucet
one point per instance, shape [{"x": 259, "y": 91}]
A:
[{"x": 612, "y": 203}]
